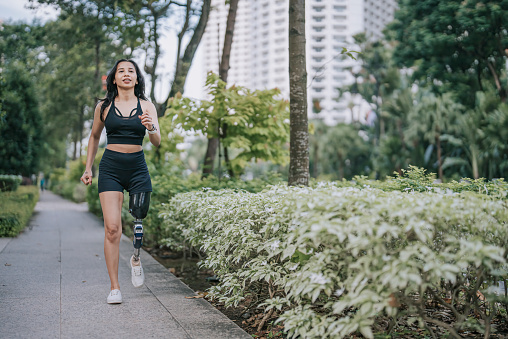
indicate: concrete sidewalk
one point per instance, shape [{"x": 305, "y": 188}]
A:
[{"x": 54, "y": 284}]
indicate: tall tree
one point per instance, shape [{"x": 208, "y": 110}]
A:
[
  {"x": 20, "y": 122},
  {"x": 299, "y": 129},
  {"x": 122, "y": 19},
  {"x": 213, "y": 142},
  {"x": 459, "y": 43},
  {"x": 183, "y": 62}
]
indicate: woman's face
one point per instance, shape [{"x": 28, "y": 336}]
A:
[{"x": 125, "y": 76}]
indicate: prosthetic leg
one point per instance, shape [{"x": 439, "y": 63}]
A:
[{"x": 138, "y": 207}]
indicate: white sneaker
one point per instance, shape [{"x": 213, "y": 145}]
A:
[
  {"x": 138, "y": 277},
  {"x": 115, "y": 297}
]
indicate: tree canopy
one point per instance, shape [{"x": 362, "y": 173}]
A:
[{"x": 456, "y": 45}]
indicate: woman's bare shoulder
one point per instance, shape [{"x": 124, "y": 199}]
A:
[
  {"x": 147, "y": 104},
  {"x": 98, "y": 107}
]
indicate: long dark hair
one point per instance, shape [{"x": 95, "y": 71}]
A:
[{"x": 112, "y": 90}]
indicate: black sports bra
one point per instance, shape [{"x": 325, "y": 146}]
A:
[{"x": 124, "y": 130}]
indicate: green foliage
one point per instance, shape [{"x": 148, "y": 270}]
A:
[
  {"x": 17, "y": 208},
  {"x": 21, "y": 127},
  {"x": 66, "y": 182},
  {"x": 336, "y": 260},
  {"x": 460, "y": 43},
  {"x": 9, "y": 182},
  {"x": 252, "y": 122},
  {"x": 343, "y": 151}
]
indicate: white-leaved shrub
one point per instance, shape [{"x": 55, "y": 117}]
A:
[{"x": 330, "y": 261}]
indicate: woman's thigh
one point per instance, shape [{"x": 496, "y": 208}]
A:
[{"x": 111, "y": 203}]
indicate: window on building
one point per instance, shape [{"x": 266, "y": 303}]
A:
[
  {"x": 339, "y": 38},
  {"x": 317, "y": 59},
  {"x": 339, "y": 28},
  {"x": 318, "y": 28},
  {"x": 318, "y": 8},
  {"x": 318, "y": 79},
  {"x": 339, "y": 17},
  {"x": 339, "y": 8},
  {"x": 318, "y": 38},
  {"x": 318, "y": 18},
  {"x": 317, "y": 49},
  {"x": 318, "y": 89}
]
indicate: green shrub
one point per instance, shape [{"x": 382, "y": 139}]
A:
[
  {"x": 92, "y": 199},
  {"x": 168, "y": 182},
  {"x": 331, "y": 260},
  {"x": 9, "y": 182},
  {"x": 416, "y": 179},
  {"x": 17, "y": 208},
  {"x": 66, "y": 182}
]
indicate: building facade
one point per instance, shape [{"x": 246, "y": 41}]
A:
[{"x": 260, "y": 57}]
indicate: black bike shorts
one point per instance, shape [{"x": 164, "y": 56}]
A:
[{"x": 124, "y": 171}]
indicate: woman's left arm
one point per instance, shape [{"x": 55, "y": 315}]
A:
[{"x": 148, "y": 118}]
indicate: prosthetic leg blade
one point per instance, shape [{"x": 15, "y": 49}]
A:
[{"x": 138, "y": 207}]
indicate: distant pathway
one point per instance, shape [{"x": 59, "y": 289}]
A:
[{"x": 54, "y": 284}]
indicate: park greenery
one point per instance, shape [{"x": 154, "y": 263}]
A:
[
  {"x": 345, "y": 257},
  {"x": 371, "y": 243},
  {"x": 437, "y": 104},
  {"x": 17, "y": 208}
]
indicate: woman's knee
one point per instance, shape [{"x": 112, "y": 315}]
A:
[{"x": 113, "y": 232}]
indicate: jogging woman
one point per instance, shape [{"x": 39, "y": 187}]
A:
[{"x": 127, "y": 115}]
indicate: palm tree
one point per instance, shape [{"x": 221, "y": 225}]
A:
[{"x": 432, "y": 118}]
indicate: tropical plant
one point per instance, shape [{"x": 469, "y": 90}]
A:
[{"x": 257, "y": 122}]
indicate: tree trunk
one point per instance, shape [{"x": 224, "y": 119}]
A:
[
  {"x": 316, "y": 159},
  {"x": 97, "y": 64},
  {"x": 226, "y": 153},
  {"x": 185, "y": 61},
  {"x": 500, "y": 88},
  {"x": 223, "y": 74},
  {"x": 474, "y": 161},
  {"x": 299, "y": 130},
  {"x": 341, "y": 167},
  {"x": 211, "y": 150},
  {"x": 439, "y": 160},
  {"x": 150, "y": 69},
  {"x": 228, "y": 40}
]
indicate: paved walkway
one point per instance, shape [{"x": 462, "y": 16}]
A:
[{"x": 54, "y": 284}]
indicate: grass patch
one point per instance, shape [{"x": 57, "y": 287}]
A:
[{"x": 17, "y": 208}]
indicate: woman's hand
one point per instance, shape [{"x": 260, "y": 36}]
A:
[
  {"x": 86, "y": 178},
  {"x": 146, "y": 120}
]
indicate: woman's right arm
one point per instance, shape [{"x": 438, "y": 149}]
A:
[{"x": 93, "y": 144}]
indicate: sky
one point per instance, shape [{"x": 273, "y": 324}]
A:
[{"x": 15, "y": 10}]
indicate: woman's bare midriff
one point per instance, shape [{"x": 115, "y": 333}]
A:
[{"x": 124, "y": 148}]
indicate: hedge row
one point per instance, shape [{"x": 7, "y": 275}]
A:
[
  {"x": 330, "y": 261},
  {"x": 17, "y": 208},
  {"x": 9, "y": 182},
  {"x": 166, "y": 186}
]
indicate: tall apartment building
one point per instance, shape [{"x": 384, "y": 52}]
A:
[{"x": 260, "y": 57}]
